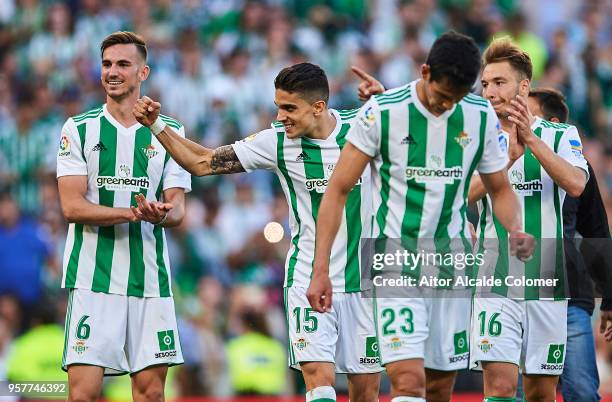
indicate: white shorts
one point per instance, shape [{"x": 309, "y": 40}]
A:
[
  {"x": 433, "y": 329},
  {"x": 123, "y": 334},
  {"x": 531, "y": 334},
  {"x": 344, "y": 336}
]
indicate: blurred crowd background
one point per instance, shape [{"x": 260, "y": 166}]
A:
[{"x": 213, "y": 64}]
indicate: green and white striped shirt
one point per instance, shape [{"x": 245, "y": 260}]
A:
[
  {"x": 541, "y": 205},
  {"x": 422, "y": 164},
  {"x": 304, "y": 166},
  {"x": 129, "y": 258}
]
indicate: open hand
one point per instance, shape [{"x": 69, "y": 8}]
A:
[
  {"x": 522, "y": 118},
  {"x": 153, "y": 212}
]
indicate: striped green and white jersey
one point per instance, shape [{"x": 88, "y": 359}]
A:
[
  {"x": 541, "y": 205},
  {"x": 422, "y": 164},
  {"x": 130, "y": 258},
  {"x": 304, "y": 166}
]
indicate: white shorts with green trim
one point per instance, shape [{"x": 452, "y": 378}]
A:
[
  {"x": 122, "y": 334},
  {"x": 529, "y": 333},
  {"x": 344, "y": 336},
  {"x": 433, "y": 329}
]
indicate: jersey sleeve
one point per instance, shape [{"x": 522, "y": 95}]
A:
[
  {"x": 70, "y": 158},
  {"x": 495, "y": 153},
  {"x": 174, "y": 175},
  {"x": 364, "y": 133},
  {"x": 570, "y": 149},
  {"x": 257, "y": 151}
]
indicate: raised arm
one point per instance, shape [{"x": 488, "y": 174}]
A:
[
  {"x": 193, "y": 157},
  {"x": 570, "y": 178}
]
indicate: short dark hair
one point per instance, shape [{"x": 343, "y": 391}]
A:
[
  {"x": 456, "y": 58},
  {"x": 307, "y": 79},
  {"x": 552, "y": 103},
  {"x": 125, "y": 38},
  {"x": 503, "y": 49}
]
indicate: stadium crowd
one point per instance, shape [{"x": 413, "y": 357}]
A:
[{"x": 213, "y": 64}]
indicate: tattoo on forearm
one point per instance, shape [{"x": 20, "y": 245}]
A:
[{"x": 224, "y": 160}]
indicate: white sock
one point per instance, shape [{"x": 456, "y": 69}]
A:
[
  {"x": 325, "y": 394},
  {"x": 408, "y": 399}
]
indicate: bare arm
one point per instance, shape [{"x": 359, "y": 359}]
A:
[
  {"x": 506, "y": 206},
  {"x": 193, "y": 157},
  {"x": 77, "y": 209},
  {"x": 477, "y": 190},
  {"x": 197, "y": 159},
  {"x": 570, "y": 178},
  {"x": 350, "y": 166},
  {"x": 176, "y": 197}
]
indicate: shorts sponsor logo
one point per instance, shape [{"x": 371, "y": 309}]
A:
[
  {"x": 80, "y": 347},
  {"x": 165, "y": 340},
  {"x": 371, "y": 351},
  {"x": 395, "y": 344},
  {"x": 556, "y": 353},
  {"x": 160, "y": 355},
  {"x": 301, "y": 344},
  {"x": 460, "y": 345},
  {"x": 552, "y": 367},
  {"x": 64, "y": 148},
  {"x": 485, "y": 345}
]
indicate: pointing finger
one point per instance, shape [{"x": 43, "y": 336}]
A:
[{"x": 362, "y": 74}]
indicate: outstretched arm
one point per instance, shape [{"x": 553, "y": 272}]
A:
[{"x": 193, "y": 157}]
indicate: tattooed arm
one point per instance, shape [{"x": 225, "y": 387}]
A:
[
  {"x": 193, "y": 157},
  {"x": 197, "y": 159}
]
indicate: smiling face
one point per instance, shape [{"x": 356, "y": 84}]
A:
[
  {"x": 123, "y": 70},
  {"x": 501, "y": 84},
  {"x": 297, "y": 115}
]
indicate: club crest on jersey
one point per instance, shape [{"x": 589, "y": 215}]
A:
[
  {"x": 150, "y": 151},
  {"x": 463, "y": 139},
  {"x": 64, "y": 148}
]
